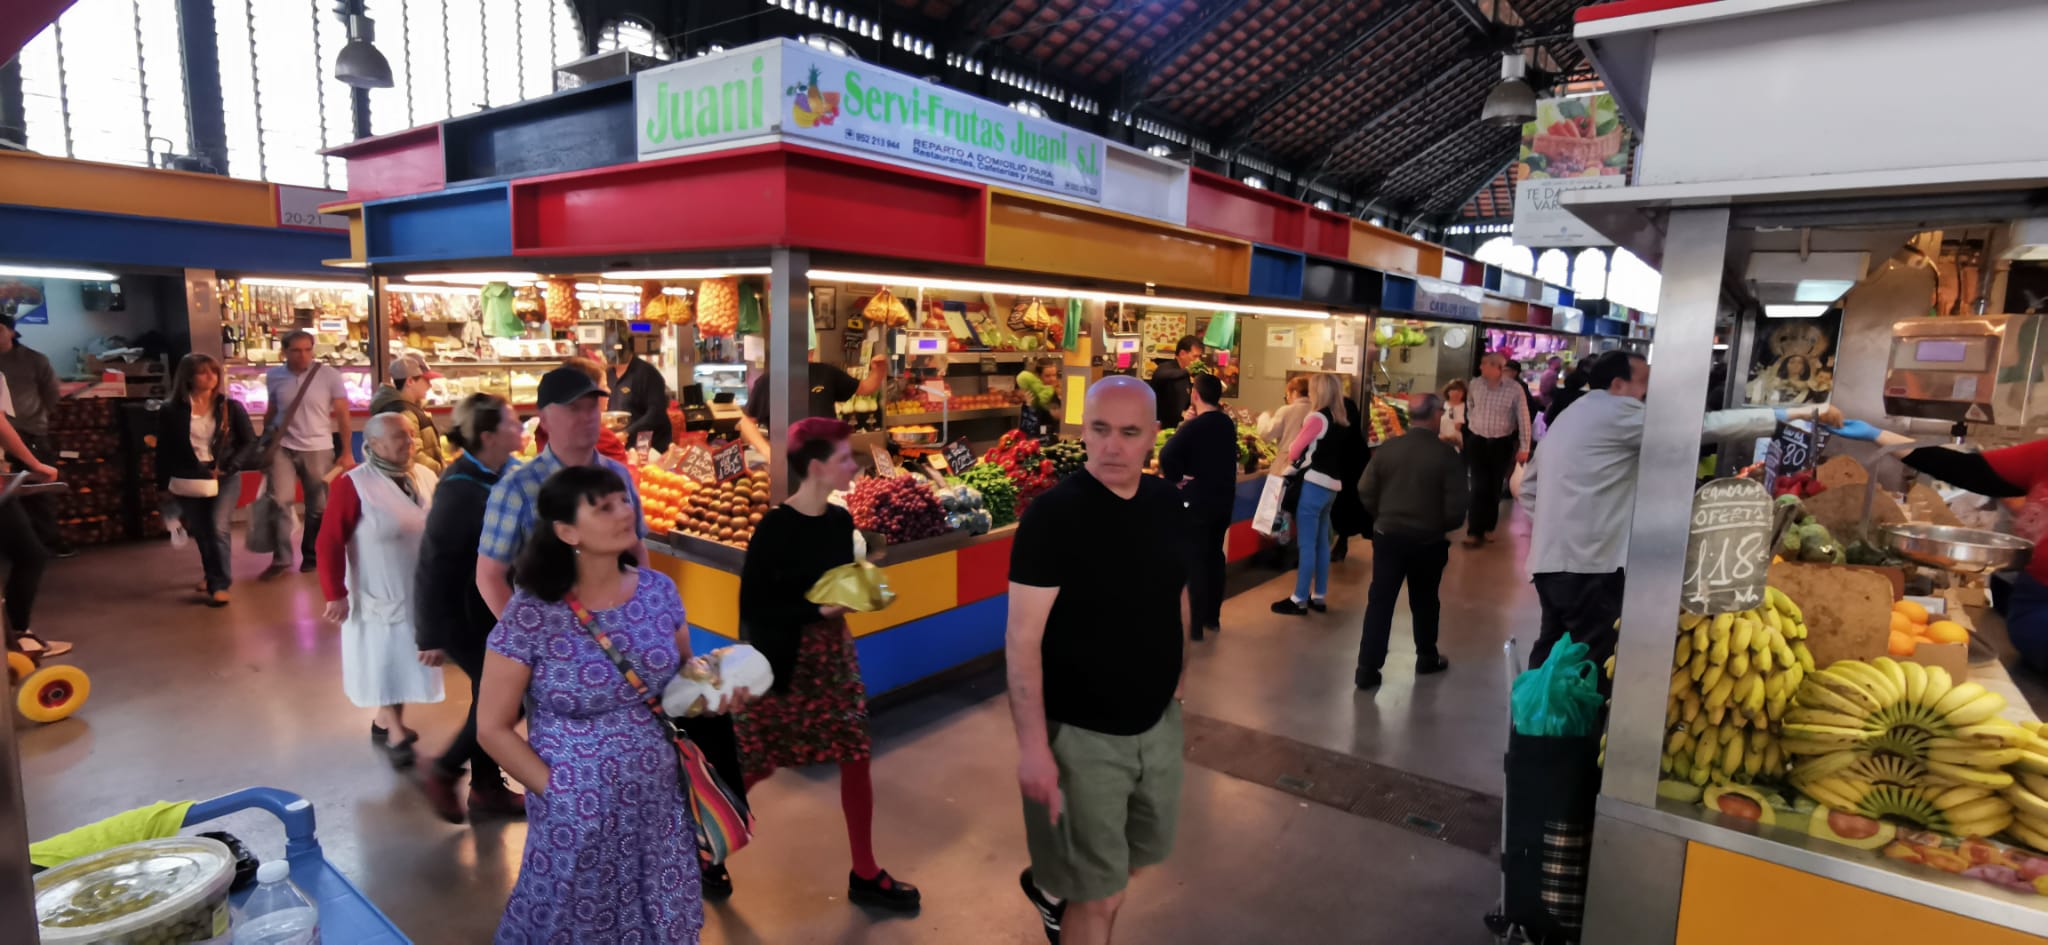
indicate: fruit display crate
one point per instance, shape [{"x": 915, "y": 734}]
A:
[{"x": 983, "y": 413}]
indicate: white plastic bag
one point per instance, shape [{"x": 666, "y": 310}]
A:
[{"x": 722, "y": 672}]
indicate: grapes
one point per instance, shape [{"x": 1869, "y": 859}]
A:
[{"x": 901, "y": 508}]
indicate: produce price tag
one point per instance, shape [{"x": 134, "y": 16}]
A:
[
  {"x": 884, "y": 466},
  {"x": 959, "y": 456},
  {"x": 1791, "y": 451},
  {"x": 1728, "y": 549},
  {"x": 696, "y": 464},
  {"x": 730, "y": 461}
]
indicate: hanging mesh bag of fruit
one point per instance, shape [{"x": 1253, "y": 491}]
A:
[
  {"x": 718, "y": 308},
  {"x": 563, "y": 308}
]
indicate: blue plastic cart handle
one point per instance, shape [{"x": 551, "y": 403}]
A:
[{"x": 296, "y": 812}]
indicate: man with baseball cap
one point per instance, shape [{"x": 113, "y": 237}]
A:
[
  {"x": 571, "y": 410},
  {"x": 407, "y": 394}
]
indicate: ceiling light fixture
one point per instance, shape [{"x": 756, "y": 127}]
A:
[
  {"x": 1512, "y": 102},
  {"x": 830, "y": 44},
  {"x": 55, "y": 272},
  {"x": 1795, "y": 311},
  {"x": 644, "y": 274},
  {"x": 360, "y": 64},
  {"x": 474, "y": 278},
  {"x": 971, "y": 285},
  {"x": 323, "y": 285}
]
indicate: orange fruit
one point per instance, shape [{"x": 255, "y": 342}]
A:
[
  {"x": 1947, "y": 631},
  {"x": 1901, "y": 623},
  {"x": 1900, "y": 644},
  {"x": 1912, "y": 610}
]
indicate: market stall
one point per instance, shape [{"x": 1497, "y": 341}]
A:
[{"x": 1836, "y": 758}]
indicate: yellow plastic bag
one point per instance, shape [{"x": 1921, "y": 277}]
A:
[{"x": 860, "y": 587}]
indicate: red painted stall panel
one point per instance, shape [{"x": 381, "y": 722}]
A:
[
  {"x": 771, "y": 195},
  {"x": 1463, "y": 270},
  {"x": 1329, "y": 234},
  {"x": 394, "y": 165},
  {"x": 1221, "y": 205},
  {"x": 984, "y": 570}
]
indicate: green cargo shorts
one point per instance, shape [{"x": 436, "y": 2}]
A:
[{"x": 1120, "y": 802}]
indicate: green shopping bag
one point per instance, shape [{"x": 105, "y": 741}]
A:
[{"x": 1222, "y": 330}]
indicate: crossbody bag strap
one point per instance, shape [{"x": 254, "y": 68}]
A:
[
  {"x": 292, "y": 409},
  {"x": 588, "y": 621}
]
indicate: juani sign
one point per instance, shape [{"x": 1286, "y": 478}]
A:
[{"x": 842, "y": 104}]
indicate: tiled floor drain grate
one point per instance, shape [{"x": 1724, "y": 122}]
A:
[{"x": 1446, "y": 812}]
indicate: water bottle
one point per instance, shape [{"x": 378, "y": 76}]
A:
[{"x": 277, "y": 913}]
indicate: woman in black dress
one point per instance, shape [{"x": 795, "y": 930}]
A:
[{"x": 816, "y": 712}]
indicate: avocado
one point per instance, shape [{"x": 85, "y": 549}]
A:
[
  {"x": 1741, "y": 801},
  {"x": 1853, "y": 830}
]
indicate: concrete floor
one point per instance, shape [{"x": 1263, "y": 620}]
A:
[{"x": 190, "y": 702}]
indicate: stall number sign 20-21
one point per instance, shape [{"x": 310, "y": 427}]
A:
[
  {"x": 845, "y": 105},
  {"x": 1728, "y": 548}
]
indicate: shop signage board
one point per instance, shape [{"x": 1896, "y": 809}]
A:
[
  {"x": 298, "y": 208},
  {"x": 832, "y": 102},
  {"x": 1577, "y": 142},
  {"x": 1795, "y": 448},
  {"x": 959, "y": 456},
  {"x": 1728, "y": 548},
  {"x": 730, "y": 462},
  {"x": 884, "y": 466},
  {"x": 1448, "y": 299}
]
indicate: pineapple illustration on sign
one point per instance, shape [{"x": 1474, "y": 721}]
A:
[{"x": 812, "y": 106}]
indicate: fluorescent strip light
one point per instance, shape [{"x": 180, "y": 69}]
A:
[
  {"x": 1794, "y": 311},
  {"x": 1821, "y": 290},
  {"x": 1721, "y": 346},
  {"x": 608, "y": 297},
  {"x": 323, "y": 285},
  {"x": 688, "y": 273},
  {"x": 447, "y": 290},
  {"x": 56, "y": 272},
  {"x": 969, "y": 285},
  {"x": 474, "y": 278}
]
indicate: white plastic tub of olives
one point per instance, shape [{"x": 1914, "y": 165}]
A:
[{"x": 155, "y": 892}]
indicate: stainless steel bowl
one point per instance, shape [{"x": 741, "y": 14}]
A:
[{"x": 1962, "y": 550}]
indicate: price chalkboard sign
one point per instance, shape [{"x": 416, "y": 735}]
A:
[
  {"x": 696, "y": 464},
  {"x": 1793, "y": 449},
  {"x": 1728, "y": 549},
  {"x": 730, "y": 462},
  {"x": 884, "y": 466},
  {"x": 959, "y": 456}
]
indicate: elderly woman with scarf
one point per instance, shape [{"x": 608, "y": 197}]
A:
[{"x": 369, "y": 546}]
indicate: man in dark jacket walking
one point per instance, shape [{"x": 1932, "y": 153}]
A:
[
  {"x": 1415, "y": 490},
  {"x": 1201, "y": 460}
]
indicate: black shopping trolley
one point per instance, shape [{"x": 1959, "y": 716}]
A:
[{"x": 1546, "y": 832}]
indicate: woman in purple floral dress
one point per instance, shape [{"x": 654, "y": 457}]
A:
[{"x": 611, "y": 854}]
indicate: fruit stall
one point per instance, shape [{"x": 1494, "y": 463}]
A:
[{"x": 1823, "y": 745}]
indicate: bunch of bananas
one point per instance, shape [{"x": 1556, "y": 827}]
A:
[
  {"x": 2028, "y": 793},
  {"x": 1732, "y": 678},
  {"x": 1902, "y": 740}
]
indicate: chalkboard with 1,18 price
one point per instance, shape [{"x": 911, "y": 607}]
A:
[
  {"x": 730, "y": 462},
  {"x": 1727, "y": 548},
  {"x": 959, "y": 456}
]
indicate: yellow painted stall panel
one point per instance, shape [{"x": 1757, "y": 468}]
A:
[
  {"x": 1380, "y": 248},
  {"x": 1036, "y": 235},
  {"x": 1431, "y": 261},
  {"x": 36, "y": 180},
  {"x": 711, "y": 598},
  {"x": 1494, "y": 309},
  {"x": 1729, "y": 897},
  {"x": 923, "y": 587},
  {"x": 353, "y": 210}
]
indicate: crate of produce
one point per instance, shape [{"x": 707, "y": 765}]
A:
[
  {"x": 91, "y": 530},
  {"x": 76, "y": 444},
  {"x": 76, "y": 414}
]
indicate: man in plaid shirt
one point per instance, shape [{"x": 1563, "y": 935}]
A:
[
  {"x": 1496, "y": 438},
  {"x": 572, "y": 411}
]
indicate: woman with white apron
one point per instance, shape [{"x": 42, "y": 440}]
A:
[{"x": 369, "y": 545}]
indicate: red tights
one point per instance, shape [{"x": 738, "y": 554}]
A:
[{"x": 857, "y": 802}]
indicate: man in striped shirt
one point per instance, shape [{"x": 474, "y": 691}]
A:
[{"x": 1496, "y": 438}]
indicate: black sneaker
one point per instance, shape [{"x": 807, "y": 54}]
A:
[
  {"x": 1433, "y": 663},
  {"x": 1290, "y": 607},
  {"x": 717, "y": 882},
  {"x": 1049, "y": 912},
  {"x": 308, "y": 566},
  {"x": 883, "y": 892},
  {"x": 1319, "y": 606},
  {"x": 1366, "y": 679}
]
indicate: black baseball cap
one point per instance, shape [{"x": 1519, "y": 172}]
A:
[{"x": 564, "y": 385}]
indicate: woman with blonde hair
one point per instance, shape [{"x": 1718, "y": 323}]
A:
[{"x": 1326, "y": 446}]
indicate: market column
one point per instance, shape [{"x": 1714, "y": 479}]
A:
[
  {"x": 1633, "y": 884},
  {"x": 789, "y": 354}
]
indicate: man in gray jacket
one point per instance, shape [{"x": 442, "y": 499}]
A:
[{"x": 1415, "y": 490}]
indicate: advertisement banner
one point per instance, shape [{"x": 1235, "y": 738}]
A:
[
  {"x": 1575, "y": 143},
  {"x": 845, "y": 104}
]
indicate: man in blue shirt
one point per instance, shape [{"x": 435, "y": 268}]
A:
[{"x": 571, "y": 410}]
